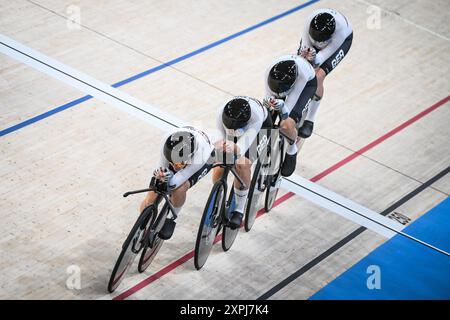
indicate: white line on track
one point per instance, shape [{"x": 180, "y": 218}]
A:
[
  {"x": 88, "y": 85},
  {"x": 342, "y": 206},
  {"x": 350, "y": 210}
]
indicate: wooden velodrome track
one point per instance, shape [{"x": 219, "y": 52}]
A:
[{"x": 63, "y": 172}]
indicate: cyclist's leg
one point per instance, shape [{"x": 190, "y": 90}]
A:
[
  {"x": 178, "y": 198},
  {"x": 178, "y": 195},
  {"x": 290, "y": 125},
  {"x": 288, "y": 128},
  {"x": 321, "y": 73},
  {"x": 216, "y": 174},
  {"x": 308, "y": 125},
  {"x": 308, "y": 98},
  {"x": 149, "y": 199},
  {"x": 243, "y": 169}
]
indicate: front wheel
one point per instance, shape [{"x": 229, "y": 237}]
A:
[
  {"x": 209, "y": 224},
  {"x": 152, "y": 248},
  {"x": 131, "y": 247}
]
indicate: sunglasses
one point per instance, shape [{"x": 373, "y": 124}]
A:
[{"x": 178, "y": 165}]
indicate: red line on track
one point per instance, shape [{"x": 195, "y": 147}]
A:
[{"x": 288, "y": 195}]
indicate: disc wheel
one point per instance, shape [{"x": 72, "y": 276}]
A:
[
  {"x": 209, "y": 225},
  {"x": 228, "y": 234}
]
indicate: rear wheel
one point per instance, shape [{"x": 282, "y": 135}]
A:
[
  {"x": 131, "y": 247},
  {"x": 209, "y": 224},
  {"x": 257, "y": 188},
  {"x": 274, "y": 180},
  {"x": 272, "y": 192},
  {"x": 229, "y": 235}
]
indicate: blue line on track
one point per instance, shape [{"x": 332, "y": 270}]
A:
[
  {"x": 157, "y": 68},
  {"x": 401, "y": 269}
]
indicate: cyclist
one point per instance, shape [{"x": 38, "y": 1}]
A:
[
  {"x": 290, "y": 87},
  {"x": 239, "y": 122},
  {"x": 186, "y": 157},
  {"x": 326, "y": 40}
]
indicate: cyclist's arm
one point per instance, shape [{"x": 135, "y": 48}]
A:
[
  {"x": 254, "y": 126},
  {"x": 294, "y": 98},
  {"x": 201, "y": 157},
  {"x": 183, "y": 175}
]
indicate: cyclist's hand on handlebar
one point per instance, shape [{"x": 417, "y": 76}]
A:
[
  {"x": 277, "y": 104},
  {"x": 163, "y": 174},
  {"x": 266, "y": 103},
  {"x": 273, "y": 103},
  {"x": 309, "y": 54},
  {"x": 270, "y": 103},
  {"x": 226, "y": 146}
]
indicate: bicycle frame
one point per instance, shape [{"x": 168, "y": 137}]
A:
[
  {"x": 227, "y": 169},
  {"x": 223, "y": 179},
  {"x": 143, "y": 234},
  {"x": 276, "y": 120},
  {"x": 161, "y": 194},
  {"x": 275, "y": 117}
]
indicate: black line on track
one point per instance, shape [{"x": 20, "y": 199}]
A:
[
  {"x": 89, "y": 85},
  {"x": 370, "y": 219},
  {"x": 350, "y": 237}
]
